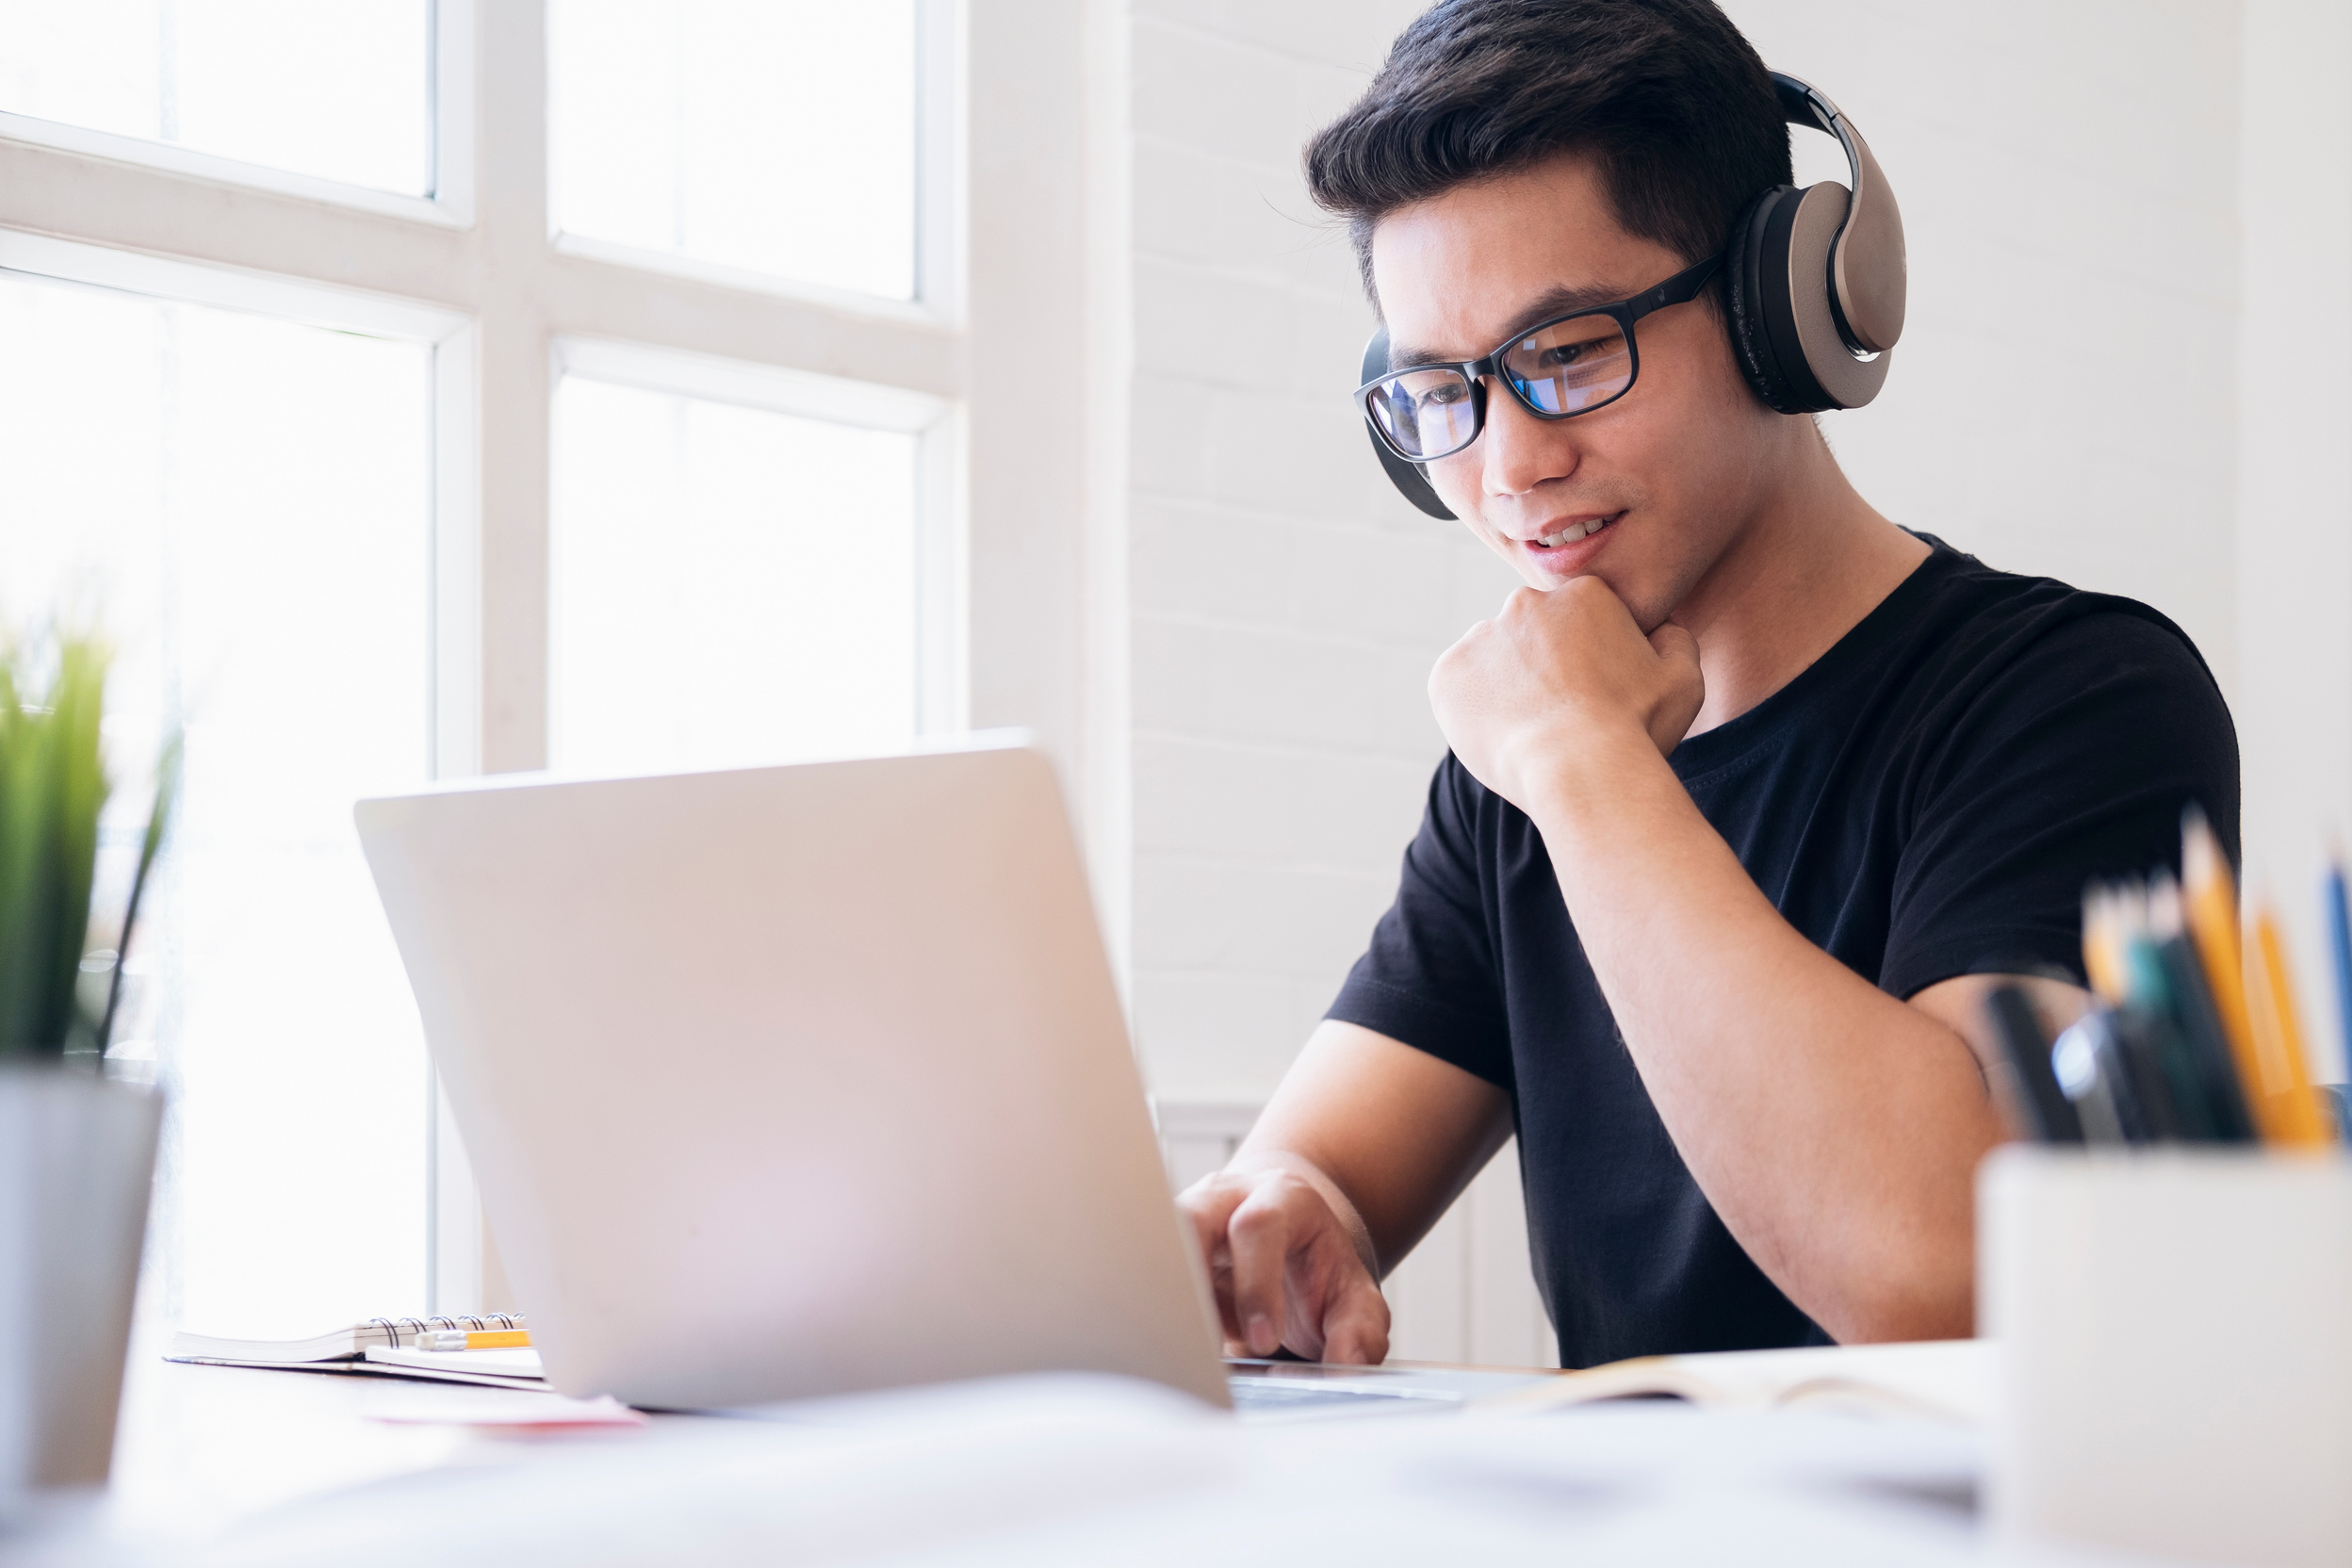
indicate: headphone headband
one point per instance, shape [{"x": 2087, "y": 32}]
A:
[{"x": 1869, "y": 274}]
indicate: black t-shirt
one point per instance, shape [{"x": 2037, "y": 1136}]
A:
[{"x": 1926, "y": 800}]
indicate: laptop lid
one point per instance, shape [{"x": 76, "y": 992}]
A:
[{"x": 792, "y": 1080}]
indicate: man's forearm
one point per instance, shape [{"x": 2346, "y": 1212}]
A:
[{"x": 1835, "y": 1129}]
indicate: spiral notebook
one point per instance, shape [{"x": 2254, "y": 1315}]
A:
[{"x": 493, "y": 1350}]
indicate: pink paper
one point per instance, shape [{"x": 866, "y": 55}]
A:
[{"x": 500, "y": 1408}]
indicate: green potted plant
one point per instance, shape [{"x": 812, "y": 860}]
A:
[{"x": 76, "y": 1150}]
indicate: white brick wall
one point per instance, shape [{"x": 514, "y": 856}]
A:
[
  {"x": 1286, "y": 605},
  {"x": 2294, "y": 500}
]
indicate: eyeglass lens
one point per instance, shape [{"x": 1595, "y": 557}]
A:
[
  {"x": 1559, "y": 370},
  {"x": 1427, "y": 413},
  {"x": 1570, "y": 366}
]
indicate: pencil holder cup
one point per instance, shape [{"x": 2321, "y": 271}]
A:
[{"x": 2175, "y": 1332}]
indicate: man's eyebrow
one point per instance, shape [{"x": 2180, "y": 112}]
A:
[{"x": 1551, "y": 303}]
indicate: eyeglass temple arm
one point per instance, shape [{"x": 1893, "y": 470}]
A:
[{"x": 1683, "y": 285}]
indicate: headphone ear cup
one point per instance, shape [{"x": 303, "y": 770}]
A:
[
  {"x": 1410, "y": 481},
  {"x": 1750, "y": 273},
  {"x": 1800, "y": 316}
]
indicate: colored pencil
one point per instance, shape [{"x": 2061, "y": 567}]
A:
[
  {"x": 2208, "y": 909},
  {"x": 2293, "y": 1113}
]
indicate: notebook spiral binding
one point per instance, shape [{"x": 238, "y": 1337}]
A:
[{"x": 394, "y": 1329}]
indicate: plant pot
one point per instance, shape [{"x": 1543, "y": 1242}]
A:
[{"x": 77, "y": 1156}]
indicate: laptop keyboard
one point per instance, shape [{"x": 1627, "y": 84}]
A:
[{"x": 1269, "y": 1393}]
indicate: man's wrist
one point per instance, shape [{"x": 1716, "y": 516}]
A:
[{"x": 1588, "y": 774}]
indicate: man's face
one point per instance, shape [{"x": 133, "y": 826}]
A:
[{"x": 1665, "y": 477}]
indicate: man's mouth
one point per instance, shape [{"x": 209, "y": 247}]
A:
[{"x": 1572, "y": 533}]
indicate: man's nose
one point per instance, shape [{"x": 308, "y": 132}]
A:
[{"x": 1521, "y": 452}]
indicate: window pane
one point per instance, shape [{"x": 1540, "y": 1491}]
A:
[
  {"x": 341, "y": 90},
  {"x": 776, "y": 135},
  {"x": 730, "y": 585},
  {"x": 246, "y": 503}
]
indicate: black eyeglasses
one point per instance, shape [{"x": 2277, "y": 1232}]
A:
[{"x": 1571, "y": 364}]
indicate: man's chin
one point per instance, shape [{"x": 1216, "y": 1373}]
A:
[{"x": 1649, "y": 611}]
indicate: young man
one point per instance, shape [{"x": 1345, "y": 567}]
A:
[{"x": 1751, "y": 794}]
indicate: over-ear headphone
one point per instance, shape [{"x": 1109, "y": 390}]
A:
[{"x": 1817, "y": 281}]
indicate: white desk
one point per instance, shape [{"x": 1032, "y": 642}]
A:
[{"x": 220, "y": 1466}]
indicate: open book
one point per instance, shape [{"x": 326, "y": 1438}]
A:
[
  {"x": 499, "y": 1354},
  {"x": 1946, "y": 1380}
]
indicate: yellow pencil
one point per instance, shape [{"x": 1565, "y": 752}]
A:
[
  {"x": 2209, "y": 899},
  {"x": 2279, "y": 1033},
  {"x": 2102, "y": 944},
  {"x": 478, "y": 1339}
]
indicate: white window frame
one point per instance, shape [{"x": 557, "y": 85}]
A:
[{"x": 1010, "y": 551}]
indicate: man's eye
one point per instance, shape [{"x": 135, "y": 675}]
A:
[
  {"x": 1564, "y": 353},
  {"x": 1452, "y": 392}
]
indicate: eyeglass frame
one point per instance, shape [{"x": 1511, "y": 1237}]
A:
[{"x": 1679, "y": 289}]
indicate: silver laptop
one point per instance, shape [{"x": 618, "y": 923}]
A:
[{"x": 805, "y": 1080}]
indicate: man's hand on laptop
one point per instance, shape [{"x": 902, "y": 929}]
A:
[{"x": 1290, "y": 1262}]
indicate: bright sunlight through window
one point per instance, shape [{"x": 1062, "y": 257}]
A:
[
  {"x": 731, "y": 586},
  {"x": 339, "y": 88},
  {"x": 244, "y": 503},
  {"x": 772, "y": 136}
]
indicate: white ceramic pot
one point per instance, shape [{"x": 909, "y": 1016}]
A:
[{"x": 77, "y": 1156}]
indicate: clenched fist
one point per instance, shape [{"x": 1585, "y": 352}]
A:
[{"x": 1558, "y": 672}]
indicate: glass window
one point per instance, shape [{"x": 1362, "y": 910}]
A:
[
  {"x": 774, "y": 136},
  {"x": 342, "y": 91},
  {"x": 245, "y": 504},
  {"x": 731, "y": 584}
]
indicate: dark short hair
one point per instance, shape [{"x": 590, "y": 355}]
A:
[{"x": 1665, "y": 94}]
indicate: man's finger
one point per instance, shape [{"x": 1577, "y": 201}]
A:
[
  {"x": 1260, "y": 1234},
  {"x": 1208, "y": 1207},
  {"x": 1355, "y": 1325},
  {"x": 1674, "y": 644},
  {"x": 1685, "y": 686}
]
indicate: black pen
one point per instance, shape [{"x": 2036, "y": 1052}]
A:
[{"x": 2048, "y": 1115}]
